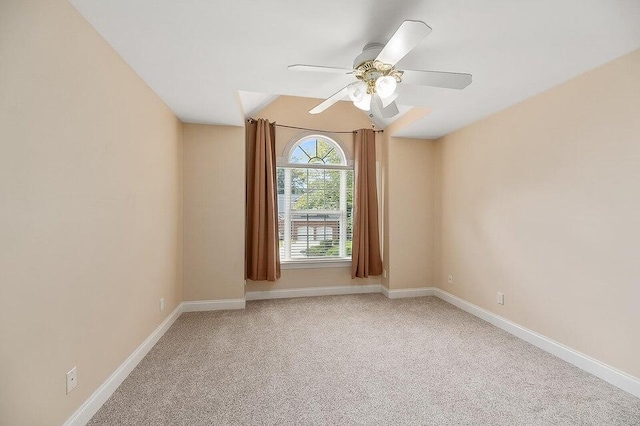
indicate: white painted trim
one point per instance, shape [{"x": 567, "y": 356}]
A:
[
  {"x": 212, "y": 305},
  {"x": 599, "y": 369},
  {"x": 407, "y": 292},
  {"x": 91, "y": 406},
  {"x": 312, "y": 291},
  {"x": 311, "y": 264},
  {"x": 384, "y": 290},
  {"x": 607, "y": 373}
]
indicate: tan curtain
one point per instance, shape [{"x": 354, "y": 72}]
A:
[
  {"x": 365, "y": 255},
  {"x": 262, "y": 254}
]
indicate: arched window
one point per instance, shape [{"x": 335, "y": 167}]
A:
[
  {"x": 317, "y": 150},
  {"x": 315, "y": 200}
]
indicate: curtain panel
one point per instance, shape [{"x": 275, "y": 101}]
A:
[
  {"x": 365, "y": 256},
  {"x": 262, "y": 253}
]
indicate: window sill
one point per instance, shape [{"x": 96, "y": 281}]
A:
[{"x": 315, "y": 264}]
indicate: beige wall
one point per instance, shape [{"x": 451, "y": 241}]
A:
[
  {"x": 408, "y": 225},
  {"x": 214, "y": 196},
  {"x": 90, "y": 220},
  {"x": 214, "y": 203},
  {"x": 409, "y": 231},
  {"x": 542, "y": 202},
  {"x": 384, "y": 204},
  {"x": 341, "y": 117}
]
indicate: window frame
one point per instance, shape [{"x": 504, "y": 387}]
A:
[{"x": 284, "y": 162}]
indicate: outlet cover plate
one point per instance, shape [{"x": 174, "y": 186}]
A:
[{"x": 72, "y": 379}]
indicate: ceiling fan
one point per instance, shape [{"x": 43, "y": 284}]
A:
[{"x": 377, "y": 78}]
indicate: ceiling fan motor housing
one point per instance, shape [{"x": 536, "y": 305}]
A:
[
  {"x": 369, "y": 53},
  {"x": 369, "y": 70}
]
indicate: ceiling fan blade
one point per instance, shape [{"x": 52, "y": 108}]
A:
[
  {"x": 406, "y": 37},
  {"x": 378, "y": 108},
  {"x": 448, "y": 80},
  {"x": 314, "y": 68},
  {"x": 387, "y": 101},
  {"x": 336, "y": 97},
  {"x": 390, "y": 110}
]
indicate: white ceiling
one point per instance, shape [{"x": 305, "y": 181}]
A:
[{"x": 198, "y": 55}]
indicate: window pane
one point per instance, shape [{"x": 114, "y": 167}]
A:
[
  {"x": 315, "y": 212},
  {"x": 321, "y": 189},
  {"x": 316, "y": 150},
  {"x": 324, "y": 233},
  {"x": 302, "y": 232}
]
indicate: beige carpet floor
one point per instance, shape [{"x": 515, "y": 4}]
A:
[{"x": 356, "y": 360}]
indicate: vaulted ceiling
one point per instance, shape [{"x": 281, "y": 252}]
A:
[{"x": 219, "y": 61}]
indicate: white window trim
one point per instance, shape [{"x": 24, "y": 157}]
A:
[
  {"x": 286, "y": 165},
  {"x": 311, "y": 263},
  {"x": 283, "y": 162}
]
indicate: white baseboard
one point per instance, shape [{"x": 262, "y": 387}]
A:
[
  {"x": 312, "y": 291},
  {"x": 407, "y": 292},
  {"x": 91, "y": 406},
  {"x": 607, "y": 373},
  {"x": 213, "y": 305}
]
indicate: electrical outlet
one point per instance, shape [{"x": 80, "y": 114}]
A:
[
  {"x": 500, "y": 298},
  {"x": 72, "y": 379},
  {"x": 450, "y": 280},
  {"x": 162, "y": 304},
  {"x": 384, "y": 273}
]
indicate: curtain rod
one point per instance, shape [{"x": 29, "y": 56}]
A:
[{"x": 253, "y": 120}]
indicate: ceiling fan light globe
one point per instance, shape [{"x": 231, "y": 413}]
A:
[
  {"x": 357, "y": 91},
  {"x": 365, "y": 103},
  {"x": 386, "y": 86}
]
